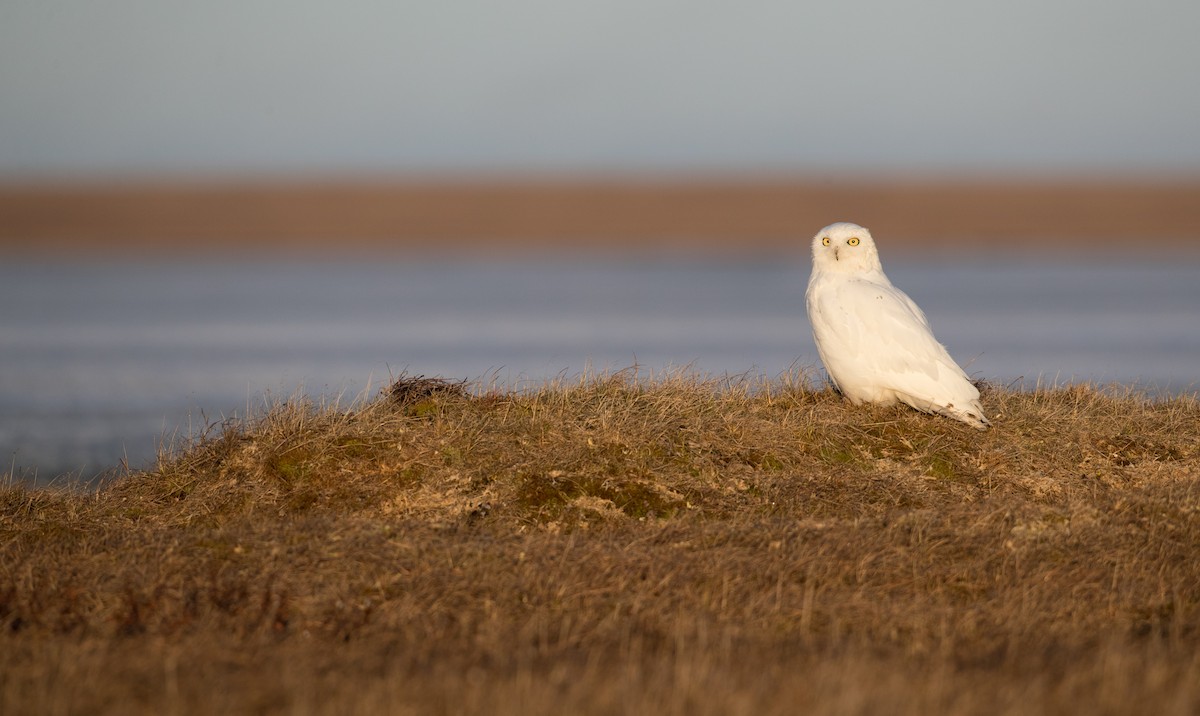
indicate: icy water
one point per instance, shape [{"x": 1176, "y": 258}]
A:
[{"x": 100, "y": 362}]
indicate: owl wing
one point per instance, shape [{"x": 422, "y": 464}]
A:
[{"x": 873, "y": 336}]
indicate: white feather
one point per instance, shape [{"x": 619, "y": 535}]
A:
[{"x": 875, "y": 342}]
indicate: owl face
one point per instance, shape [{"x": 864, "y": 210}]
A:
[{"x": 845, "y": 248}]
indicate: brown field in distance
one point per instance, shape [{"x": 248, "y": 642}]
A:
[{"x": 502, "y": 215}]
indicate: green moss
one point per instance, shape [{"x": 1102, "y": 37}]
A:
[
  {"x": 412, "y": 475},
  {"x": 547, "y": 498},
  {"x": 353, "y": 447},
  {"x": 422, "y": 409},
  {"x": 290, "y": 467},
  {"x": 762, "y": 460},
  {"x": 837, "y": 455},
  {"x": 941, "y": 467},
  {"x": 452, "y": 455}
]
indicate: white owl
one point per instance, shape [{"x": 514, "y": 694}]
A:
[{"x": 873, "y": 339}]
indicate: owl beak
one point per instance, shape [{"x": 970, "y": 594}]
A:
[{"x": 835, "y": 254}]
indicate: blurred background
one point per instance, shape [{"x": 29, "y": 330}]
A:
[{"x": 207, "y": 205}]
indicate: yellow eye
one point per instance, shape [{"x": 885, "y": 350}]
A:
[
  {"x": 825, "y": 241},
  {"x": 853, "y": 241}
]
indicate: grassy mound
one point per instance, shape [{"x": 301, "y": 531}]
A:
[{"x": 679, "y": 545}]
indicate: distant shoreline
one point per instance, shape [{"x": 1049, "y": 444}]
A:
[{"x": 717, "y": 215}]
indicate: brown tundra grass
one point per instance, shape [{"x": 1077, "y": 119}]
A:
[{"x": 677, "y": 545}]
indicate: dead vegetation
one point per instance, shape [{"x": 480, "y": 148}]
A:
[{"x": 613, "y": 545}]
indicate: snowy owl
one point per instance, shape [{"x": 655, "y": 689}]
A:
[{"x": 873, "y": 339}]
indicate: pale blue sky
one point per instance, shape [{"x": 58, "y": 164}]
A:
[{"x": 153, "y": 86}]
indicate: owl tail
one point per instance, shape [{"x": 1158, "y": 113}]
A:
[{"x": 971, "y": 414}]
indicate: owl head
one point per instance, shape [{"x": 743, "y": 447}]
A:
[{"x": 845, "y": 248}]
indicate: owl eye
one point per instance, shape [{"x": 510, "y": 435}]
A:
[
  {"x": 853, "y": 241},
  {"x": 825, "y": 241}
]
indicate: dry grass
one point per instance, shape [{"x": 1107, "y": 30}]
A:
[{"x": 676, "y": 545}]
